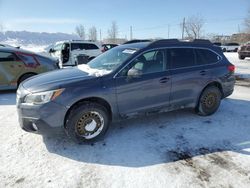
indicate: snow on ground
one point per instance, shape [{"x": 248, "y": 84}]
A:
[
  {"x": 242, "y": 66},
  {"x": 176, "y": 149}
]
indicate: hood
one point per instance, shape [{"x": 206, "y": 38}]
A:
[{"x": 56, "y": 79}]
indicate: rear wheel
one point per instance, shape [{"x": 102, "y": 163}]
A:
[
  {"x": 87, "y": 122},
  {"x": 209, "y": 101}
]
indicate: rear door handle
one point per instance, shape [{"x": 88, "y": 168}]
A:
[
  {"x": 164, "y": 80},
  {"x": 204, "y": 72}
]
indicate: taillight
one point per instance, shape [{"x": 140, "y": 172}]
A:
[{"x": 231, "y": 68}]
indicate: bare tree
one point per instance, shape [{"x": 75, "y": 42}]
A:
[
  {"x": 80, "y": 31},
  {"x": 113, "y": 32},
  {"x": 93, "y": 33},
  {"x": 193, "y": 27},
  {"x": 247, "y": 22}
]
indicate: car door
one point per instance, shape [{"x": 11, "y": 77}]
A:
[
  {"x": 188, "y": 76},
  {"x": 10, "y": 67},
  {"x": 143, "y": 85}
]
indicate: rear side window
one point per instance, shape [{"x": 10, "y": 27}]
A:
[
  {"x": 6, "y": 56},
  {"x": 181, "y": 57},
  {"x": 83, "y": 46},
  {"x": 77, "y": 46},
  {"x": 204, "y": 57}
]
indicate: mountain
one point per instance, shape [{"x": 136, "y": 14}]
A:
[{"x": 24, "y": 38}]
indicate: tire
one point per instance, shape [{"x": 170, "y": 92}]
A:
[
  {"x": 24, "y": 77},
  {"x": 209, "y": 101},
  {"x": 87, "y": 122},
  {"x": 241, "y": 57},
  {"x": 224, "y": 50}
]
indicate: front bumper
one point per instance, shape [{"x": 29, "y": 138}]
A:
[{"x": 41, "y": 119}]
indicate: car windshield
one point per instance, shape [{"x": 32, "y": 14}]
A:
[{"x": 108, "y": 61}]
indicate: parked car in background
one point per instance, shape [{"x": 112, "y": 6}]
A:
[
  {"x": 106, "y": 47},
  {"x": 217, "y": 43},
  {"x": 129, "y": 80},
  {"x": 17, "y": 65},
  {"x": 230, "y": 47},
  {"x": 8, "y": 46},
  {"x": 244, "y": 50},
  {"x": 137, "y": 40},
  {"x": 74, "y": 52}
]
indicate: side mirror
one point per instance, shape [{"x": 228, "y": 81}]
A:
[
  {"x": 134, "y": 73},
  {"x": 51, "y": 50}
]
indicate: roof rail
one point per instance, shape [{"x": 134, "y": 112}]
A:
[
  {"x": 164, "y": 41},
  {"x": 176, "y": 41},
  {"x": 79, "y": 40},
  {"x": 202, "y": 41}
]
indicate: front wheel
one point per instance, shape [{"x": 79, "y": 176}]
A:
[
  {"x": 209, "y": 101},
  {"x": 87, "y": 122}
]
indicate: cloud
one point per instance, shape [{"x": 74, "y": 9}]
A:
[{"x": 44, "y": 21}]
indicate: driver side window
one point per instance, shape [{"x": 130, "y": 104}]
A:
[{"x": 149, "y": 62}]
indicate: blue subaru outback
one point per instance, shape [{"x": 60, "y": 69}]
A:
[{"x": 128, "y": 80}]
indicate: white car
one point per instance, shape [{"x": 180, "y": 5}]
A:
[
  {"x": 230, "y": 47},
  {"x": 8, "y": 46},
  {"x": 74, "y": 52}
]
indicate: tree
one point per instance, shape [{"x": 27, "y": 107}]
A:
[
  {"x": 93, "y": 33},
  {"x": 80, "y": 31},
  {"x": 113, "y": 32},
  {"x": 193, "y": 27},
  {"x": 247, "y": 22}
]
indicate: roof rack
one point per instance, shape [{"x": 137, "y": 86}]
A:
[
  {"x": 176, "y": 41},
  {"x": 79, "y": 40},
  {"x": 202, "y": 41}
]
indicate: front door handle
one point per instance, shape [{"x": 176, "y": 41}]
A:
[{"x": 164, "y": 80}]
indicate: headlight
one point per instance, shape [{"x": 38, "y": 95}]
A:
[{"x": 43, "y": 97}]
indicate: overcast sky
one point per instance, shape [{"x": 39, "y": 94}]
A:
[{"x": 149, "y": 18}]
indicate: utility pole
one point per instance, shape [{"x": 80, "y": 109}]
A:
[
  {"x": 168, "y": 30},
  {"x": 183, "y": 28},
  {"x": 100, "y": 35},
  {"x": 131, "y": 33},
  {"x": 238, "y": 28}
]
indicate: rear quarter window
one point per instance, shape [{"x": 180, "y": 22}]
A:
[
  {"x": 28, "y": 60},
  {"x": 93, "y": 47},
  {"x": 205, "y": 57}
]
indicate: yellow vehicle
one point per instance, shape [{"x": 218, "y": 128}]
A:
[{"x": 16, "y": 65}]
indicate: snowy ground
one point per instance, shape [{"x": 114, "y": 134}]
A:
[
  {"x": 242, "y": 66},
  {"x": 176, "y": 149}
]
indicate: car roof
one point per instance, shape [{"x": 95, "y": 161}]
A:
[
  {"x": 169, "y": 42},
  {"x": 77, "y": 41},
  {"x": 138, "y": 45},
  {"x": 9, "y": 49}
]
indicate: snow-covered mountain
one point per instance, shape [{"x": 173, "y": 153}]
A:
[{"x": 25, "y": 38}]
